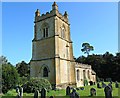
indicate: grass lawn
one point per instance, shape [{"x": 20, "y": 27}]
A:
[{"x": 84, "y": 93}]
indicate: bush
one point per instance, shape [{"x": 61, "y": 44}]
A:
[
  {"x": 36, "y": 84},
  {"x": 9, "y": 77},
  {"x": 23, "y": 80}
]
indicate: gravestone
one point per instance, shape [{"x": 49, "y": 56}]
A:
[
  {"x": 68, "y": 90},
  {"x": 108, "y": 92},
  {"x": 18, "y": 92},
  {"x": 74, "y": 94},
  {"x": 21, "y": 92},
  {"x": 103, "y": 85},
  {"x": 93, "y": 92},
  {"x": 36, "y": 94},
  {"x": 98, "y": 85},
  {"x": 116, "y": 84},
  {"x": 43, "y": 93}
]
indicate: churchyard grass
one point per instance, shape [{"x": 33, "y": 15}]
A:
[{"x": 62, "y": 92}]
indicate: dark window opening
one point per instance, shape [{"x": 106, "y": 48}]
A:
[
  {"x": 45, "y": 72},
  {"x": 78, "y": 75},
  {"x": 45, "y": 32}
]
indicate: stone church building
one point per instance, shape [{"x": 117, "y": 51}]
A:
[{"x": 52, "y": 51}]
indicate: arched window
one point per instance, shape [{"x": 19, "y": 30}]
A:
[
  {"x": 45, "y": 72},
  {"x": 78, "y": 75},
  {"x": 45, "y": 30}
]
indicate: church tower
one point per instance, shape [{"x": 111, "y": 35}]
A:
[{"x": 52, "y": 53}]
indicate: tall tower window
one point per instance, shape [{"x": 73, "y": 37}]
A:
[
  {"x": 45, "y": 32},
  {"x": 45, "y": 72},
  {"x": 62, "y": 32}
]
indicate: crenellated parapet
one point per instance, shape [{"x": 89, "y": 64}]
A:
[{"x": 53, "y": 12}]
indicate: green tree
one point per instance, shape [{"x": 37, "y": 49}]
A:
[
  {"x": 23, "y": 69},
  {"x": 9, "y": 77},
  {"x": 87, "y": 48}
]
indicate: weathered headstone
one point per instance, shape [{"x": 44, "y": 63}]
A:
[
  {"x": 108, "y": 92},
  {"x": 74, "y": 94},
  {"x": 103, "y": 85},
  {"x": 21, "y": 92},
  {"x": 18, "y": 92},
  {"x": 116, "y": 84},
  {"x": 93, "y": 92},
  {"x": 68, "y": 90},
  {"x": 43, "y": 93},
  {"x": 36, "y": 94},
  {"x": 98, "y": 85}
]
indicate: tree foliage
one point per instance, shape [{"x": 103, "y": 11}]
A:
[
  {"x": 9, "y": 77},
  {"x": 23, "y": 69},
  {"x": 87, "y": 48}
]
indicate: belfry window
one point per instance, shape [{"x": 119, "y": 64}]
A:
[
  {"x": 45, "y": 32},
  {"x": 62, "y": 32},
  {"x": 45, "y": 72}
]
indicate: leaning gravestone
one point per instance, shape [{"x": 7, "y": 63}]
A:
[
  {"x": 116, "y": 84},
  {"x": 68, "y": 90},
  {"x": 18, "y": 92},
  {"x": 93, "y": 92},
  {"x": 108, "y": 92},
  {"x": 98, "y": 85},
  {"x": 36, "y": 94},
  {"x": 43, "y": 93},
  {"x": 21, "y": 92}
]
